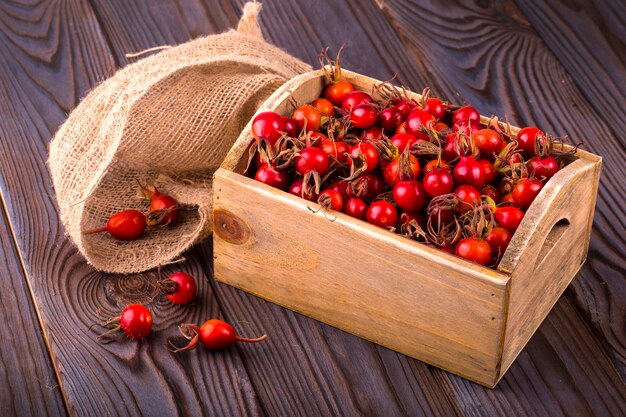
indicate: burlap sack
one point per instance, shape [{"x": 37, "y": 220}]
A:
[{"x": 166, "y": 120}]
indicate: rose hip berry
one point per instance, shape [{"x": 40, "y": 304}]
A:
[
  {"x": 124, "y": 225},
  {"x": 213, "y": 335},
  {"x": 179, "y": 288},
  {"x": 382, "y": 213}
]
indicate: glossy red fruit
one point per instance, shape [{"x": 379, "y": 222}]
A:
[
  {"x": 419, "y": 120},
  {"x": 296, "y": 189},
  {"x": 392, "y": 174},
  {"x": 467, "y": 127},
  {"x": 127, "y": 224},
  {"x": 382, "y": 213},
  {"x": 162, "y": 203},
  {"x": 390, "y": 118},
  {"x": 543, "y": 168},
  {"x": 213, "y": 334},
  {"x": 367, "y": 187},
  {"x": 474, "y": 249},
  {"x": 330, "y": 199},
  {"x": 269, "y": 126},
  {"x": 468, "y": 196},
  {"x": 368, "y": 152},
  {"x": 184, "y": 289},
  {"x": 337, "y": 92},
  {"x": 123, "y": 225},
  {"x": 449, "y": 152},
  {"x": 340, "y": 186},
  {"x": 363, "y": 116},
  {"x": 435, "y": 107},
  {"x": 402, "y": 140},
  {"x": 372, "y": 133},
  {"x": 469, "y": 172},
  {"x": 499, "y": 239},
  {"x": 526, "y": 139},
  {"x": 354, "y": 99},
  {"x": 217, "y": 335},
  {"x": 274, "y": 177},
  {"x": 307, "y": 116},
  {"x": 438, "y": 182},
  {"x": 336, "y": 150},
  {"x": 405, "y": 107},
  {"x": 488, "y": 141},
  {"x": 324, "y": 106},
  {"x": 525, "y": 191},
  {"x": 489, "y": 171},
  {"x": 312, "y": 159},
  {"x": 291, "y": 129},
  {"x": 409, "y": 195},
  {"x": 355, "y": 207},
  {"x": 136, "y": 321},
  {"x": 465, "y": 113},
  {"x": 436, "y": 164},
  {"x": 509, "y": 217}
]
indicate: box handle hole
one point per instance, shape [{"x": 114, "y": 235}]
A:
[{"x": 552, "y": 238}]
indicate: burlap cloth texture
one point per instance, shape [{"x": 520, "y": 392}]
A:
[{"x": 167, "y": 120}]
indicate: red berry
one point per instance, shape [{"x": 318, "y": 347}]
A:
[
  {"x": 274, "y": 177},
  {"x": 136, "y": 321},
  {"x": 525, "y": 192},
  {"x": 268, "y": 125},
  {"x": 355, "y": 207},
  {"x": 474, "y": 249},
  {"x": 382, "y": 213},
  {"x": 409, "y": 195},
  {"x": 184, "y": 290}
]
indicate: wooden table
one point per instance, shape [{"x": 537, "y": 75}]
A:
[{"x": 559, "y": 66}]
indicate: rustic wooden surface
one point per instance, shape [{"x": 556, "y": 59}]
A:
[{"x": 559, "y": 65}]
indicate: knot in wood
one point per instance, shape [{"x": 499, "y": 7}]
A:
[
  {"x": 130, "y": 289},
  {"x": 230, "y": 227}
]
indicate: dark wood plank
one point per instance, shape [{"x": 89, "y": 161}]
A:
[
  {"x": 45, "y": 73},
  {"x": 161, "y": 23},
  {"x": 589, "y": 40},
  {"x": 29, "y": 387}
]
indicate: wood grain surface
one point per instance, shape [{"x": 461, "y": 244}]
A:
[
  {"x": 29, "y": 387},
  {"x": 520, "y": 59}
]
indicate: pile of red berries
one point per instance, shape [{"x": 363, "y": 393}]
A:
[{"x": 423, "y": 168}]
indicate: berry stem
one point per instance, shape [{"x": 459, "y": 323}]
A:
[
  {"x": 247, "y": 340},
  {"x": 93, "y": 231}
]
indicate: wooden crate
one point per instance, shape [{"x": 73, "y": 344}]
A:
[{"x": 459, "y": 316}]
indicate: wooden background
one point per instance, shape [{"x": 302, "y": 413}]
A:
[{"x": 558, "y": 65}]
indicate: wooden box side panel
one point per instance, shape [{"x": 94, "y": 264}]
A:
[
  {"x": 555, "y": 251},
  {"x": 358, "y": 278}
]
